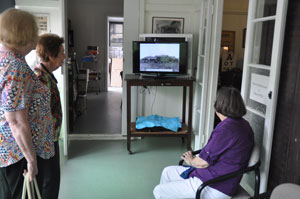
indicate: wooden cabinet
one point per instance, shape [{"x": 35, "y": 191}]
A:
[{"x": 186, "y": 130}]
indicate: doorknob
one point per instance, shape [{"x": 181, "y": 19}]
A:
[{"x": 270, "y": 95}]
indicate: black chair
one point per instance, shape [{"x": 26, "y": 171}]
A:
[{"x": 253, "y": 165}]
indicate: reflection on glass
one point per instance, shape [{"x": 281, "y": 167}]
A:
[
  {"x": 263, "y": 43},
  {"x": 115, "y": 33},
  {"x": 202, "y": 52},
  {"x": 198, "y": 108},
  {"x": 265, "y": 8},
  {"x": 205, "y": 13},
  {"x": 257, "y": 124},
  {"x": 201, "y": 66},
  {"x": 196, "y": 123},
  {"x": 198, "y": 97},
  {"x": 249, "y": 102}
]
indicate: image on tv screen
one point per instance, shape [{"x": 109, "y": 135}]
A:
[{"x": 159, "y": 57}]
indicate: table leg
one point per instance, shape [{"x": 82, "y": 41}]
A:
[
  {"x": 190, "y": 116},
  {"x": 128, "y": 116},
  {"x": 189, "y": 142},
  {"x": 128, "y": 145}
]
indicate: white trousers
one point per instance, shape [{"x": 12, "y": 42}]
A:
[{"x": 172, "y": 186}]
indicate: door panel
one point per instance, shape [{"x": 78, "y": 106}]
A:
[
  {"x": 263, "y": 42},
  {"x": 265, "y": 8},
  {"x": 201, "y": 82},
  {"x": 262, "y": 61}
]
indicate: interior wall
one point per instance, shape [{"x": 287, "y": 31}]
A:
[
  {"x": 167, "y": 101},
  {"x": 132, "y": 17},
  {"x": 6, "y": 4},
  {"x": 89, "y": 23},
  {"x": 54, "y": 9},
  {"x": 285, "y": 160}
]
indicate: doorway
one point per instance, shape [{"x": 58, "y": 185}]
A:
[
  {"x": 106, "y": 103},
  {"x": 261, "y": 67},
  {"x": 232, "y": 47},
  {"x": 115, "y": 53}
]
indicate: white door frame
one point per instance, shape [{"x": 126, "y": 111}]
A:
[
  {"x": 273, "y": 81},
  {"x": 206, "y": 50},
  {"x": 212, "y": 81},
  {"x": 65, "y": 87}
]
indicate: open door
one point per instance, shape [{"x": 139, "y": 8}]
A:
[
  {"x": 262, "y": 61},
  {"x": 201, "y": 83}
]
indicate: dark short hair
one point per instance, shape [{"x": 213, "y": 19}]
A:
[
  {"x": 48, "y": 46},
  {"x": 229, "y": 103}
]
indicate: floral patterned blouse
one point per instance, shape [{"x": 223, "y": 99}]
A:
[
  {"x": 50, "y": 81},
  {"x": 20, "y": 89}
]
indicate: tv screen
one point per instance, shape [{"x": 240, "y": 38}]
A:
[{"x": 160, "y": 57}]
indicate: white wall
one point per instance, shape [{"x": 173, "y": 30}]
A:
[
  {"x": 132, "y": 19},
  {"x": 54, "y": 9},
  {"x": 89, "y": 22},
  {"x": 168, "y": 100}
]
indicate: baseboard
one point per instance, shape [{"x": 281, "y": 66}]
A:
[{"x": 96, "y": 137}]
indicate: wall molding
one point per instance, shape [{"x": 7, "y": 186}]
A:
[
  {"x": 116, "y": 136},
  {"x": 235, "y": 12},
  {"x": 171, "y": 8},
  {"x": 39, "y": 3}
]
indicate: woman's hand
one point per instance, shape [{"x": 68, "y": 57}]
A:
[
  {"x": 194, "y": 161},
  {"x": 32, "y": 170},
  {"x": 188, "y": 157}
]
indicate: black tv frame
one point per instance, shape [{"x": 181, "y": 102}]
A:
[{"x": 183, "y": 64}]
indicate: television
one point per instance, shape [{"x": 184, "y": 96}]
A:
[{"x": 160, "y": 58}]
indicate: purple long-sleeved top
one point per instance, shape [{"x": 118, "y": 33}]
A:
[{"x": 228, "y": 149}]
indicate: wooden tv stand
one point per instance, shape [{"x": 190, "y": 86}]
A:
[{"x": 185, "y": 131}]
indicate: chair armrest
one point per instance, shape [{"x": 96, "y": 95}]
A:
[
  {"x": 231, "y": 175},
  {"x": 196, "y": 152},
  {"x": 193, "y": 152}
]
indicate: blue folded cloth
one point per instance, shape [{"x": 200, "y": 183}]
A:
[
  {"x": 171, "y": 123},
  {"x": 186, "y": 173}
]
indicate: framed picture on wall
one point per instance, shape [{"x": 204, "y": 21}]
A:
[
  {"x": 228, "y": 40},
  {"x": 167, "y": 25},
  {"x": 42, "y": 22}
]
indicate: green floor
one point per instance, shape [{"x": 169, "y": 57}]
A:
[{"x": 104, "y": 170}]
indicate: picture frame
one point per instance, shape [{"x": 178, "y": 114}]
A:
[
  {"x": 43, "y": 22},
  {"x": 228, "y": 40},
  {"x": 167, "y": 25}
]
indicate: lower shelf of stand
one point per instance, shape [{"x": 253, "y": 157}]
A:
[{"x": 182, "y": 133}]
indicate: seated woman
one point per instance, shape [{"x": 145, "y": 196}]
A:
[{"x": 227, "y": 150}]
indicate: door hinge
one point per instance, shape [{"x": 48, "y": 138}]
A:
[{"x": 270, "y": 95}]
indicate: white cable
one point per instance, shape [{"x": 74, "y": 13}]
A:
[{"x": 153, "y": 99}]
